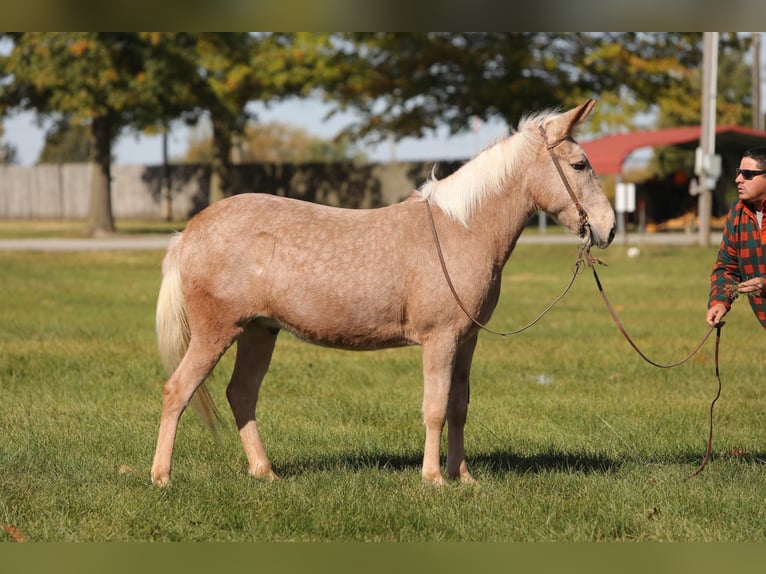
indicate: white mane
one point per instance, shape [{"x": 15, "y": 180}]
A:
[{"x": 487, "y": 173}]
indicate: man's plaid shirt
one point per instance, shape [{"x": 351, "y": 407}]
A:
[{"x": 742, "y": 256}]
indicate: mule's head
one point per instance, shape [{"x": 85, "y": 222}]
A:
[{"x": 583, "y": 207}]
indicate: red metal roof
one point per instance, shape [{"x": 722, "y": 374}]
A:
[{"x": 608, "y": 153}]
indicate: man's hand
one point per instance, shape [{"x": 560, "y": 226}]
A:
[
  {"x": 715, "y": 314},
  {"x": 756, "y": 285}
]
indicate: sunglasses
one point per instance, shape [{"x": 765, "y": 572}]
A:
[{"x": 749, "y": 174}]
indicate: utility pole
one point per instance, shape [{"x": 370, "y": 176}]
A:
[
  {"x": 706, "y": 167},
  {"x": 757, "y": 113}
]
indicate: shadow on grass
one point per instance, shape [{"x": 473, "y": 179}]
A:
[
  {"x": 746, "y": 457},
  {"x": 696, "y": 458},
  {"x": 503, "y": 462},
  {"x": 495, "y": 463},
  {"x": 500, "y": 462},
  {"x": 355, "y": 462}
]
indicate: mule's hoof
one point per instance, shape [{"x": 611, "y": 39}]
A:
[
  {"x": 460, "y": 473},
  {"x": 264, "y": 474},
  {"x": 161, "y": 481},
  {"x": 463, "y": 476},
  {"x": 435, "y": 480}
]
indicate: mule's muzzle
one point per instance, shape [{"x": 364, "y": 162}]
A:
[{"x": 592, "y": 238}]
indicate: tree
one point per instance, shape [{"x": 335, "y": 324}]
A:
[
  {"x": 84, "y": 78},
  {"x": 660, "y": 74},
  {"x": 8, "y": 154},
  {"x": 172, "y": 93},
  {"x": 682, "y": 106},
  {"x": 236, "y": 68},
  {"x": 409, "y": 83},
  {"x": 145, "y": 80},
  {"x": 65, "y": 143}
]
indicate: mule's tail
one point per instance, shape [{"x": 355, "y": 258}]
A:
[{"x": 173, "y": 331}]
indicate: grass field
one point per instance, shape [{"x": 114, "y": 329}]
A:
[
  {"x": 22, "y": 229},
  {"x": 571, "y": 436}
]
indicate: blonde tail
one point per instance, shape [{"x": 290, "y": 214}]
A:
[{"x": 173, "y": 331}]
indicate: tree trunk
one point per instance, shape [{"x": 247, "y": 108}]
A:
[
  {"x": 100, "y": 219},
  {"x": 220, "y": 174},
  {"x": 165, "y": 197}
]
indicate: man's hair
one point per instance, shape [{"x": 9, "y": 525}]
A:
[{"x": 758, "y": 154}]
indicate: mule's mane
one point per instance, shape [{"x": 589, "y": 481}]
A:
[{"x": 459, "y": 194}]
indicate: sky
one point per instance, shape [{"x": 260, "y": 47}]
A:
[{"x": 130, "y": 148}]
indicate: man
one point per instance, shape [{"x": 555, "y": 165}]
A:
[{"x": 741, "y": 265}]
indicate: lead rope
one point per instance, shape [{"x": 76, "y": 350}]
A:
[
  {"x": 590, "y": 261},
  {"x": 584, "y": 256},
  {"x": 712, "y": 404},
  {"x": 718, "y": 326}
]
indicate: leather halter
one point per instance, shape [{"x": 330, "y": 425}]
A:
[{"x": 584, "y": 226}]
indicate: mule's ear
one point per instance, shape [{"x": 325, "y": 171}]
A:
[
  {"x": 563, "y": 124},
  {"x": 582, "y": 112}
]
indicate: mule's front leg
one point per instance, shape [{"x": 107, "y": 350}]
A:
[
  {"x": 457, "y": 412},
  {"x": 437, "y": 375},
  {"x": 457, "y": 468}
]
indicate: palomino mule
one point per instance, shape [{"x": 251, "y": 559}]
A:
[{"x": 248, "y": 266}]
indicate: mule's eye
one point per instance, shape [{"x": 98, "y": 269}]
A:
[{"x": 580, "y": 165}]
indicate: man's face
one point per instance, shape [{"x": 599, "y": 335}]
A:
[{"x": 751, "y": 191}]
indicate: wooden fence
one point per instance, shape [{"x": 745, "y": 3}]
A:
[{"x": 61, "y": 191}]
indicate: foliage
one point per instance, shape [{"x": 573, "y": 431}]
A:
[
  {"x": 411, "y": 83},
  {"x": 407, "y": 84},
  {"x": 54, "y": 73},
  {"x": 8, "y": 153},
  {"x": 89, "y": 79},
  {"x": 236, "y": 68},
  {"x": 66, "y": 143},
  {"x": 571, "y": 436},
  {"x": 681, "y": 104}
]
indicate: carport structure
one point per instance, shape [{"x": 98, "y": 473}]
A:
[{"x": 608, "y": 154}]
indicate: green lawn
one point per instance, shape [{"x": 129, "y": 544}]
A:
[
  {"x": 28, "y": 228},
  {"x": 571, "y": 436}
]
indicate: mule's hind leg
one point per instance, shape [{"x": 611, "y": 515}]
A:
[
  {"x": 197, "y": 364},
  {"x": 254, "y": 349},
  {"x": 457, "y": 411}
]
